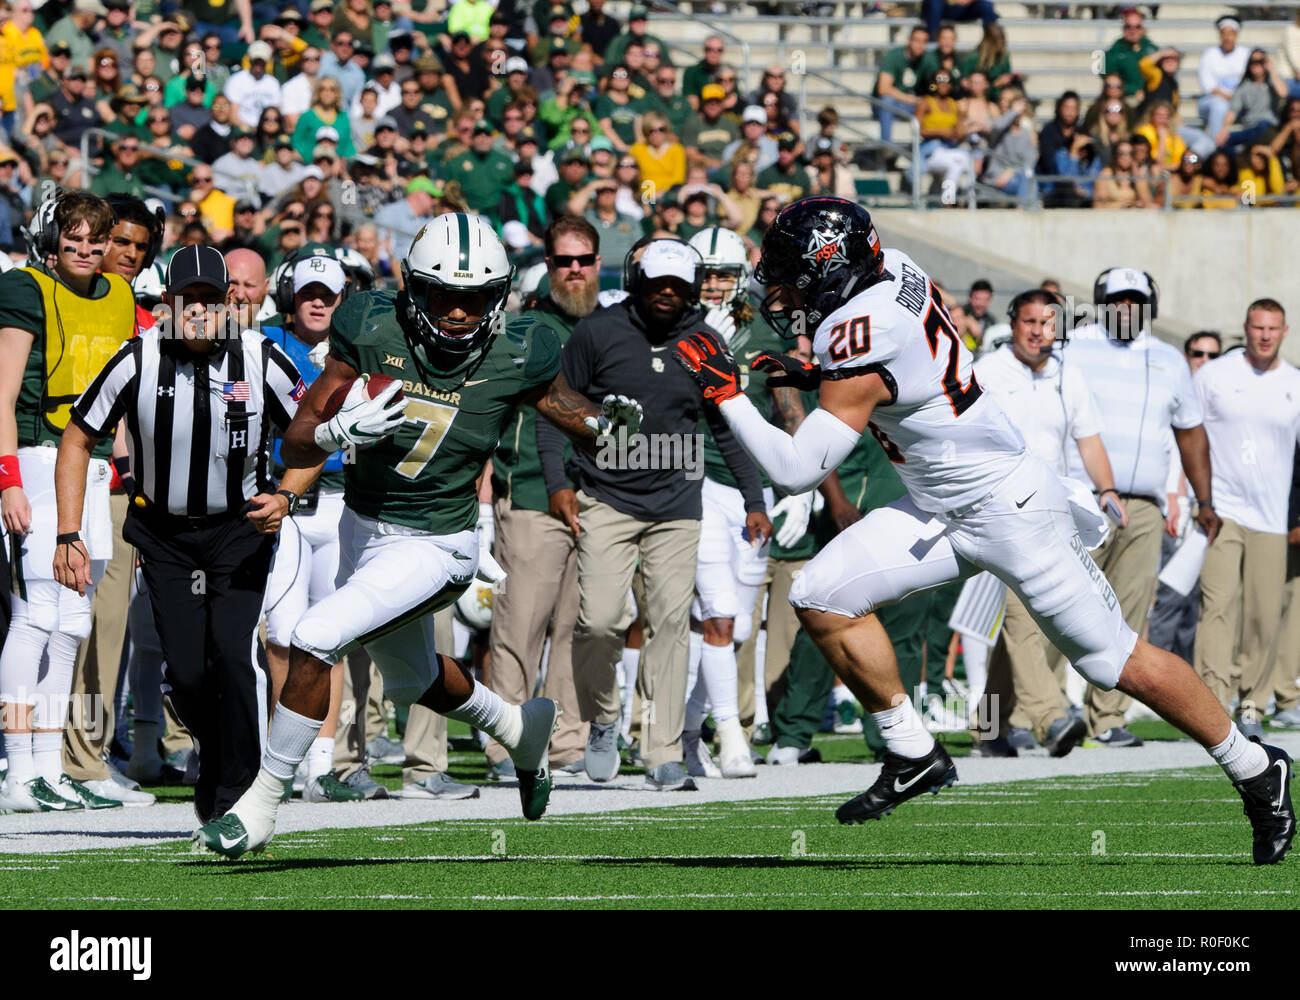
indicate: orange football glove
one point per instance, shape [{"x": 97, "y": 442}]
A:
[{"x": 709, "y": 364}]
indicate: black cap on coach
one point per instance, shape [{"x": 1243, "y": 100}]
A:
[{"x": 197, "y": 265}]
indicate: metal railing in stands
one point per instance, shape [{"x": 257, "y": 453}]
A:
[{"x": 88, "y": 169}]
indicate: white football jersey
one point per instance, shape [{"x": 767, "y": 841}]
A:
[{"x": 949, "y": 440}]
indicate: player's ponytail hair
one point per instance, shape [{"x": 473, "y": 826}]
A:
[{"x": 742, "y": 311}]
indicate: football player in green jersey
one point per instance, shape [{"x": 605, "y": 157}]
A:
[
  {"x": 407, "y": 540},
  {"x": 731, "y": 563}
]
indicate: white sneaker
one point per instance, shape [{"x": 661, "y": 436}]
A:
[
  {"x": 16, "y": 798},
  {"x": 540, "y": 719},
  {"x": 699, "y": 763},
  {"x": 122, "y": 779},
  {"x": 783, "y": 755},
  {"x": 733, "y": 751},
  {"x": 107, "y": 788}
]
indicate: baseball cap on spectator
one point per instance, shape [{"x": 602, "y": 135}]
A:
[
  {"x": 524, "y": 166},
  {"x": 427, "y": 64},
  {"x": 327, "y": 133},
  {"x": 77, "y": 73},
  {"x": 712, "y": 92},
  {"x": 323, "y": 151},
  {"x": 527, "y": 134},
  {"x": 89, "y": 7},
  {"x": 197, "y": 265},
  {"x": 401, "y": 40},
  {"x": 516, "y": 64},
  {"x": 362, "y": 47},
  {"x": 419, "y": 130},
  {"x": 129, "y": 94},
  {"x": 787, "y": 141},
  {"x": 638, "y": 13},
  {"x": 366, "y": 160},
  {"x": 425, "y": 185},
  {"x": 600, "y": 143},
  {"x": 461, "y": 36},
  {"x": 283, "y": 142},
  {"x": 244, "y": 205},
  {"x": 290, "y": 15},
  {"x": 483, "y": 125},
  {"x": 321, "y": 5},
  {"x": 117, "y": 4},
  {"x": 1125, "y": 279},
  {"x": 515, "y": 234},
  {"x": 388, "y": 121},
  {"x": 319, "y": 270},
  {"x": 240, "y": 132},
  {"x": 754, "y": 113},
  {"x": 60, "y": 49},
  {"x": 558, "y": 47},
  {"x": 823, "y": 145},
  {"x": 669, "y": 259},
  {"x": 196, "y": 82},
  {"x": 314, "y": 171},
  {"x": 383, "y": 63},
  {"x": 572, "y": 153},
  {"x": 559, "y": 12},
  {"x": 259, "y": 50},
  {"x": 585, "y": 77}
]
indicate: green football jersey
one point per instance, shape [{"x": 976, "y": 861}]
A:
[
  {"x": 746, "y": 344},
  {"x": 423, "y": 475}
]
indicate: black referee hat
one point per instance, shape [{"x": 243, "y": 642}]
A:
[{"x": 197, "y": 265}]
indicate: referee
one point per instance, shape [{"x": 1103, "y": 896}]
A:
[{"x": 199, "y": 406}]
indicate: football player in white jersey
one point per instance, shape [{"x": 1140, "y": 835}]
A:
[{"x": 891, "y": 362}]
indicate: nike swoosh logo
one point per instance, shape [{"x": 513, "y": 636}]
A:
[
  {"x": 902, "y": 787},
  {"x": 1027, "y": 499},
  {"x": 477, "y": 381},
  {"x": 658, "y": 349},
  {"x": 1281, "y": 768},
  {"x": 228, "y": 844},
  {"x": 752, "y": 354}
]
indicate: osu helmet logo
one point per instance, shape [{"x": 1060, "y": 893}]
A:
[{"x": 826, "y": 250}]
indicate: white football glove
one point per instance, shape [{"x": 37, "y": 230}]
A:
[
  {"x": 489, "y": 570},
  {"x": 615, "y": 412},
  {"x": 720, "y": 318},
  {"x": 361, "y": 420},
  {"x": 797, "y": 509},
  {"x": 319, "y": 353}
]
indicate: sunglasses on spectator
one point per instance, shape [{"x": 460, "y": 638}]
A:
[
  {"x": 1203, "y": 354},
  {"x": 656, "y": 128},
  {"x": 569, "y": 259},
  {"x": 627, "y": 165},
  {"x": 58, "y": 163},
  {"x": 713, "y": 48},
  {"x": 619, "y": 74},
  {"x": 343, "y": 41},
  {"x": 191, "y": 214},
  {"x": 308, "y": 59},
  {"x": 212, "y": 45},
  {"x": 133, "y": 148},
  {"x": 1114, "y": 109},
  {"x": 152, "y": 88},
  {"x": 202, "y": 180},
  {"x": 107, "y": 62},
  {"x": 164, "y": 120}
]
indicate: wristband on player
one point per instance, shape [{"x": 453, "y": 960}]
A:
[
  {"x": 10, "y": 474},
  {"x": 1207, "y": 502},
  {"x": 70, "y": 538},
  {"x": 1108, "y": 489}
]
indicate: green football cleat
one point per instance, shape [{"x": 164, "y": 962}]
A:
[
  {"x": 535, "y": 791},
  {"x": 531, "y": 756},
  {"x": 228, "y": 837},
  {"x": 75, "y": 791},
  {"x": 328, "y": 788},
  {"x": 49, "y": 800}
]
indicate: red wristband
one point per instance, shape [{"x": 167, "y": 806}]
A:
[{"x": 10, "y": 475}]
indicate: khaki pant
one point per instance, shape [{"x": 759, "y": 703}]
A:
[
  {"x": 1131, "y": 561},
  {"x": 1242, "y": 583},
  {"x": 94, "y": 682},
  {"x": 1285, "y": 669},
  {"x": 782, "y": 627},
  {"x": 608, "y": 550},
  {"x": 540, "y": 558},
  {"x": 1029, "y": 695}
]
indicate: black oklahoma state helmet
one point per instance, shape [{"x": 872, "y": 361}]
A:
[{"x": 828, "y": 248}]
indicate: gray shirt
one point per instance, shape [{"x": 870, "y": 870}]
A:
[
  {"x": 1011, "y": 150},
  {"x": 1252, "y": 104}
]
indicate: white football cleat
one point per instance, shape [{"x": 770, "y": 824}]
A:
[
  {"x": 733, "y": 751},
  {"x": 249, "y": 825},
  {"x": 696, "y": 756}
]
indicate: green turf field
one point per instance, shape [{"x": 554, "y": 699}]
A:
[{"x": 1171, "y": 839}]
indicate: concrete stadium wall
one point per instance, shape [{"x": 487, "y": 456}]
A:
[{"x": 1209, "y": 264}]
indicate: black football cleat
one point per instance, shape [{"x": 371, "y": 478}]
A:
[
  {"x": 900, "y": 779},
  {"x": 1268, "y": 807}
]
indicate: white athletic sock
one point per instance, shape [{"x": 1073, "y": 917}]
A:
[
  {"x": 840, "y": 694},
  {"x": 47, "y": 755},
  {"x": 486, "y": 711},
  {"x": 697, "y": 691},
  {"x": 291, "y": 737},
  {"x": 21, "y": 766},
  {"x": 1239, "y": 757},
  {"x": 760, "y": 684},
  {"x": 631, "y": 661},
  {"x": 903, "y": 731},
  {"x": 975, "y": 655},
  {"x": 718, "y": 671},
  {"x": 320, "y": 757}
]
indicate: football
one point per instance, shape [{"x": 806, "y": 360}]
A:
[{"x": 377, "y": 384}]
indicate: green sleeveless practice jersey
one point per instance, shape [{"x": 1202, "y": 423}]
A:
[
  {"x": 423, "y": 475},
  {"x": 746, "y": 344}
]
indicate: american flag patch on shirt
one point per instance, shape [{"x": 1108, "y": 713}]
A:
[
  {"x": 234, "y": 392},
  {"x": 299, "y": 391}
]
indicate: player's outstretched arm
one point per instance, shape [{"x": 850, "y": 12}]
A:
[
  {"x": 300, "y": 450},
  {"x": 795, "y": 463},
  {"x": 580, "y": 418}
]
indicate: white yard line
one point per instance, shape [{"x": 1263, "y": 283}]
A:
[{"x": 50, "y": 833}]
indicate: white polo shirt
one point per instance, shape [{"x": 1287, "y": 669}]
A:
[
  {"x": 1142, "y": 389},
  {"x": 1050, "y": 407},
  {"x": 1253, "y": 422},
  {"x": 251, "y": 95},
  {"x": 1219, "y": 70}
]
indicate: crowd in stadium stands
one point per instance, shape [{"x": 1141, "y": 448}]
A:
[{"x": 273, "y": 132}]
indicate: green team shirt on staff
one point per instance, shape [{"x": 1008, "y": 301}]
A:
[
  {"x": 423, "y": 475},
  {"x": 22, "y": 306}
]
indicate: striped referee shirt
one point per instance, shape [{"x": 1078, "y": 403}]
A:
[{"x": 198, "y": 424}]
